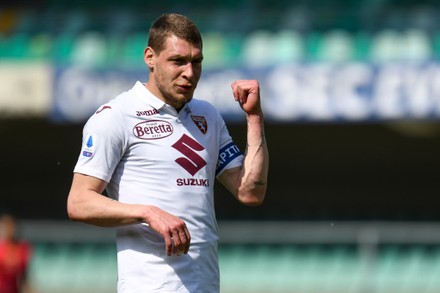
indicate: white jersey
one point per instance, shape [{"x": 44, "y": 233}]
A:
[{"x": 151, "y": 154}]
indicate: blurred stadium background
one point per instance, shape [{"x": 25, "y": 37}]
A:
[{"x": 352, "y": 97}]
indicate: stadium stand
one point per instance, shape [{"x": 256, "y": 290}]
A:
[{"x": 331, "y": 31}]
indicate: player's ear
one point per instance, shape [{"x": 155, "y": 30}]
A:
[{"x": 148, "y": 57}]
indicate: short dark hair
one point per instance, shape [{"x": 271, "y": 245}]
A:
[{"x": 173, "y": 24}]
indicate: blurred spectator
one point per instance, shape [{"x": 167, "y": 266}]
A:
[{"x": 14, "y": 257}]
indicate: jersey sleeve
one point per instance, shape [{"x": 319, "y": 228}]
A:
[
  {"x": 102, "y": 144},
  {"x": 230, "y": 155}
]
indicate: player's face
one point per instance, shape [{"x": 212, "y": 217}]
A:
[
  {"x": 7, "y": 228},
  {"x": 174, "y": 72}
]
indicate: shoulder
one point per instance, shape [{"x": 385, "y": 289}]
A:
[
  {"x": 108, "y": 119},
  {"x": 123, "y": 102},
  {"x": 115, "y": 110},
  {"x": 110, "y": 112}
]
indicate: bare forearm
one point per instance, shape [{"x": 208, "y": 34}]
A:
[
  {"x": 86, "y": 204},
  {"x": 93, "y": 208},
  {"x": 99, "y": 210},
  {"x": 256, "y": 163}
]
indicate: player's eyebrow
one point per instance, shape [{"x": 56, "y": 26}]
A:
[{"x": 197, "y": 57}]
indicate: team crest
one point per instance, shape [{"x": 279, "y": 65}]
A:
[{"x": 201, "y": 123}]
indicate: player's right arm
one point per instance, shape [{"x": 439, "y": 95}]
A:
[{"x": 86, "y": 203}]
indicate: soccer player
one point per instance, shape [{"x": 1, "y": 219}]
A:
[
  {"x": 15, "y": 256},
  {"x": 157, "y": 152}
]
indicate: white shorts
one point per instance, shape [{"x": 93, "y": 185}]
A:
[{"x": 149, "y": 269}]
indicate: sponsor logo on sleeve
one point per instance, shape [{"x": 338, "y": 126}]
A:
[{"x": 89, "y": 146}]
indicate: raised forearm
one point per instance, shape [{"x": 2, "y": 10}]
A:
[{"x": 253, "y": 185}]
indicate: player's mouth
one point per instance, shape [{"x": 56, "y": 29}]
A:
[{"x": 185, "y": 88}]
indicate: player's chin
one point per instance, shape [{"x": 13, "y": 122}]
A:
[{"x": 185, "y": 95}]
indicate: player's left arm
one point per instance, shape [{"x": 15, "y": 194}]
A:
[{"x": 248, "y": 183}]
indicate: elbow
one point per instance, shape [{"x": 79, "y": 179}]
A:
[
  {"x": 73, "y": 211},
  {"x": 253, "y": 199},
  {"x": 253, "y": 202},
  {"x": 252, "y": 194},
  {"x": 72, "y": 214}
]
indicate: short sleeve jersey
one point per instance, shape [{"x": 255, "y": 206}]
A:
[{"x": 151, "y": 154}]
